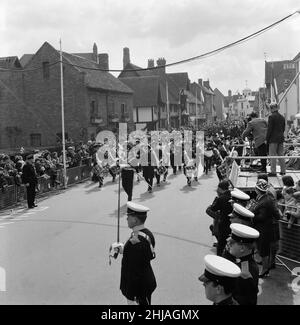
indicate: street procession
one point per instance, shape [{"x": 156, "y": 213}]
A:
[{"x": 128, "y": 180}]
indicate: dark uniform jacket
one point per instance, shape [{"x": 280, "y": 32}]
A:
[
  {"x": 29, "y": 174},
  {"x": 246, "y": 290},
  {"x": 276, "y": 127},
  {"x": 226, "y": 302},
  {"x": 220, "y": 209},
  {"x": 137, "y": 277}
]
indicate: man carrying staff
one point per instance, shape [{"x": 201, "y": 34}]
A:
[{"x": 137, "y": 278}]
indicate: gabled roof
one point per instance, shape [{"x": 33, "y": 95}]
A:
[
  {"x": 297, "y": 57},
  {"x": 128, "y": 71},
  {"x": 145, "y": 90},
  {"x": 196, "y": 88},
  {"x": 181, "y": 79},
  {"x": 25, "y": 59},
  {"x": 97, "y": 78},
  {"x": 173, "y": 90},
  {"x": 88, "y": 56},
  {"x": 216, "y": 90},
  {"x": 9, "y": 62},
  {"x": 275, "y": 70}
]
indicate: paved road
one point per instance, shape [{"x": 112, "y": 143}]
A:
[{"x": 58, "y": 252}]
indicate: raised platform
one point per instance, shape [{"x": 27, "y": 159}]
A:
[{"x": 246, "y": 181}]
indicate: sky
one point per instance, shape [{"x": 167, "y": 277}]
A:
[{"x": 151, "y": 29}]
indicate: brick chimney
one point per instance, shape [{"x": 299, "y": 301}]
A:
[
  {"x": 95, "y": 53},
  {"x": 103, "y": 61},
  {"x": 150, "y": 63},
  {"x": 161, "y": 62},
  {"x": 200, "y": 82},
  {"x": 206, "y": 84},
  {"x": 229, "y": 93},
  {"x": 126, "y": 56}
]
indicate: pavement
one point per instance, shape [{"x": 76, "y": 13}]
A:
[{"x": 57, "y": 253}]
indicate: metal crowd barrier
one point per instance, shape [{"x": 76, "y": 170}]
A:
[
  {"x": 289, "y": 244},
  {"x": 14, "y": 194}
]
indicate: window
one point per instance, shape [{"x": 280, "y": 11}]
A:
[
  {"x": 35, "y": 139},
  {"x": 123, "y": 109},
  {"x": 111, "y": 108},
  {"x": 46, "y": 70},
  {"x": 288, "y": 66},
  {"x": 93, "y": 108}
]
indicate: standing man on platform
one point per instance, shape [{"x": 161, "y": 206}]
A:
[
  {"x": 29, "y": 178},
  {"x": 275, "y": 138},
  {"x": 257, "y": 127}
]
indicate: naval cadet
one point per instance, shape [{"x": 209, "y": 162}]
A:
[
  {"x": 137, "y": 277},
  {"x": 241, "y": 245},
  {"x": 240, "y": 197},
  {"x": 241, "y": 215},
  {"x": 219, "y": 280}
]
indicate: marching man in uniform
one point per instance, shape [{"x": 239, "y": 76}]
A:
[
  {"x": 241, "y": 246},
  {"x": 137, "y": 278},
  {"x": 219, "y": 280}
]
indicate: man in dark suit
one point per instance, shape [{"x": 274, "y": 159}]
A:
[
  {"x": 29, "y": 178},
  {"x": 275, "y": 138},
  {"x": 257, "y": 127},
  {"x": 137, "y": 278}
]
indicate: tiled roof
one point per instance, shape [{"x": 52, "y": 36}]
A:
[
  {"x": 25, "y": 59},
  {"x": 96, "y": 78},
  {"x": 10, "y": 62},
  {"x": 88, "y": 56},
  {"x": 195, "y": 86},
  {"x": 181, "y": 79},
  {"x": 127, "y": 71},
  {"x": 145, "y": 90},
  {"x": 218, "y": 91},
  {"x": 173, "y": 89}
]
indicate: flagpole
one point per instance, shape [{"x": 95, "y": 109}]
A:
[
  {"x": 168, "y": 108},
  {"x": 63, "y": 118},
  {"x": 196, "y": 111}
]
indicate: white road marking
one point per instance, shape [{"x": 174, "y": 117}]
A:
[{"x": 2, "y": 279}]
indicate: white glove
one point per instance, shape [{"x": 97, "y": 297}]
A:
[{"x": 117, "y": 248}]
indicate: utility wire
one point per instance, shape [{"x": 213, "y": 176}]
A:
[
  {"x": 207, "y": 54},
  {"x": 201, "y": 56}
]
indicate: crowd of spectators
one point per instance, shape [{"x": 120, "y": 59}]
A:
[{"x": 47, "y": 163}]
